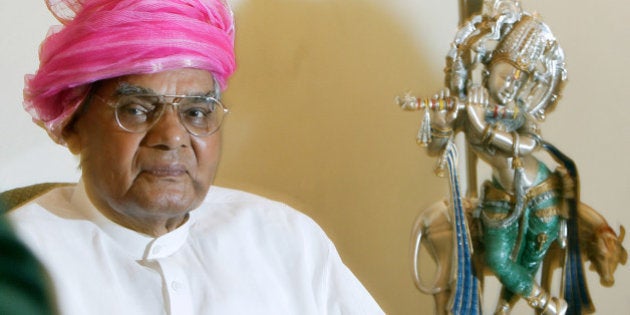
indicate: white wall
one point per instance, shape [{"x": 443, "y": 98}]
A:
[
  {"x": 314, "y": 123},
  {"x": 27, "y": 155}
]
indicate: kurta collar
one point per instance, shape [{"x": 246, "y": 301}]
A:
[{"x": 139, "y": 245}]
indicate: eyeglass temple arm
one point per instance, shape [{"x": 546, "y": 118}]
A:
[{"x": 217, "y": 88}]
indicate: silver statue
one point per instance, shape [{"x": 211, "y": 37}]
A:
[{"x": 504, "y": 73}]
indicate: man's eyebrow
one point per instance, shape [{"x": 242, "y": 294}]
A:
[{"x": 125, "y": 88}]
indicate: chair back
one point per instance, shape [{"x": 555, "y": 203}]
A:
[{"x": 17, "y": 197}]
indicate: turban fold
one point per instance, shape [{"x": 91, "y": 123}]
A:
[{"x": 102, "y": 39}]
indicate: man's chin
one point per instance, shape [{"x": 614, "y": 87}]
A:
[
  {"x": 165, "y": 195},
  {"x": 166, "y": 199}
]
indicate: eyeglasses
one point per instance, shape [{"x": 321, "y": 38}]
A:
[{"x": 200, "y": 115}]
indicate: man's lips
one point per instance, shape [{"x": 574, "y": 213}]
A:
[{"x": 165, "y": 170}]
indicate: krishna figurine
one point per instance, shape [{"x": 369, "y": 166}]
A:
[{"x": 504, "y": 72}]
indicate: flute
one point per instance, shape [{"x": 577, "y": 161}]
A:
[{"x": 412, "y": 103}]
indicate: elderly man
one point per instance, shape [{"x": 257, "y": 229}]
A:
[{"x": 133, "y": 87}]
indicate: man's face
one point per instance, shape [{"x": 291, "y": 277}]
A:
[
  {"x": 152, "y": 177},
  {"x": 504, "y": 82}
]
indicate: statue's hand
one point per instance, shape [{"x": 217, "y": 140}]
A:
[
  {"x": 443, "y": 119},
  {"x": 475, "y": 107}
]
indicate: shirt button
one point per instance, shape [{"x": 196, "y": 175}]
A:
[{"x": 176, "y": 285}]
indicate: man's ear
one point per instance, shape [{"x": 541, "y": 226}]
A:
[
  {"x": 72, "y": 138},
  {"x": 70, "y": 132}
]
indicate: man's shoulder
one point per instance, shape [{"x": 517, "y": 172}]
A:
[
  {"x": 221, "y": 197},
  {"x": 230, "y": 205},
  {"x": 34, "y": 220},
  {"x": 218, "y": 194}
]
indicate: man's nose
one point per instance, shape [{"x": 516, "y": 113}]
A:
[{"x": 168, "y": 132}]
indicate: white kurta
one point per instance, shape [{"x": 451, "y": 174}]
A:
[{"x": 237, "y": 254}]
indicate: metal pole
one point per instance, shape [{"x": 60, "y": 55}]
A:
[{"x": 467, "y": 8}]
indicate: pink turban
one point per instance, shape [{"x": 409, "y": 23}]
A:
[{"x": 102, "y": 39}]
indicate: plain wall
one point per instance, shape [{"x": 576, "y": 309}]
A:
[{"x": 314, "y": 124}]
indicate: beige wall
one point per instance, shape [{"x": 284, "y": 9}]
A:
[{"x": 313, "y": 121}]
